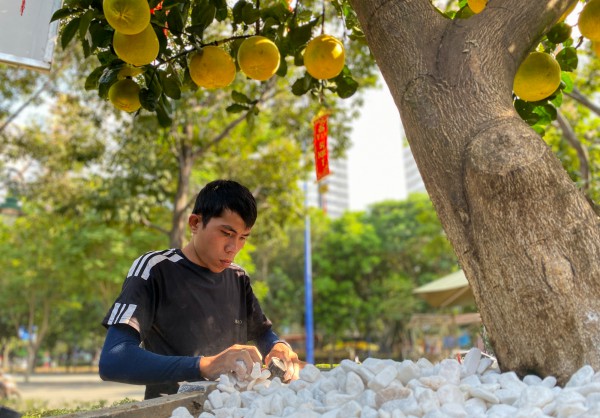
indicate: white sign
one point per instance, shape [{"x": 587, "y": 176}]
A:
[{"x": 27, "y": 38}]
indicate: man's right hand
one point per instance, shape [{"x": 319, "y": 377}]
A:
[{"x": 237, "y": 359}]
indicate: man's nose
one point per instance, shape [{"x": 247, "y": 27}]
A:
[{"x": 231, "y": 246}]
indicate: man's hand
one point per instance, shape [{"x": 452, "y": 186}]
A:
[
  {"x": 237, "y": 359},
  {"x": 290, "y": 359}
]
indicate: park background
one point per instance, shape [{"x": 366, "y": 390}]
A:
[{"x": 56, "y": 288}]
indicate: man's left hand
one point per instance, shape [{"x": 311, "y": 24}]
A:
[{"x": 290, "y": 359}]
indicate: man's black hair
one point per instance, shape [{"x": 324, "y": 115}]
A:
[{"x": 220, "y": 195}]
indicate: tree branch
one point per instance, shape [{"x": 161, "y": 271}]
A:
[
  {"x": 582, "y": 153},
  {"x": 149, "y": 224},
  {"x": 581, "y": 99}
]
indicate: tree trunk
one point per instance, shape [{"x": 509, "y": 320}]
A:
[{"x": 526, "y": 238}]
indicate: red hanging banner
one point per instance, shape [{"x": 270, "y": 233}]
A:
[{"x": 320, "y": 146}]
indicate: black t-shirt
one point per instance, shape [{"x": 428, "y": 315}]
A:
[{"x": 186, "y": 310}]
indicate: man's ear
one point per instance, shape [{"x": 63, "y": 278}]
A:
[{"x": 195, "y": 222}]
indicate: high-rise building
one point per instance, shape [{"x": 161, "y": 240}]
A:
[
  {"x": 412, "y": 177},
  {"x": 332, "y": 193}
]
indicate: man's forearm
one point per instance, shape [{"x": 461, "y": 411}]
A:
[{"x": 123, "y": 360}]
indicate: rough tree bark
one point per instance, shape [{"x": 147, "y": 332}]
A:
[{"x": 527, "y": 239}]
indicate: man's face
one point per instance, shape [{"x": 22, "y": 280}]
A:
[{"x": 216, "y": 245}]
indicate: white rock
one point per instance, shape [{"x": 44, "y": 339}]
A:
[
  {"x": 510, "y": 380},
  {"x": 407, "y": 371},
  {"x": 475, "y": 407},
  {"x": 530, "y": 412},
  {"x": 368, "y": 412},
  {"x": 535, "y": 396},
  {"x": 216, "y": 399},
  {"x": 368, "y": 398},
  {"x": 234, "y": 400},
  {"x": 508, "y": 396},
  {"x": 428, "y": 401},
  {"x": 310, "y": 373},
  {"x": 532, "y": 379},
  {"x": 450, "y": 394},
  {"x": 581, "y": 377},
  {"x": 454, "y": 410},
  {"x": 181, "y": 412},
  {"x": 350, "y": 409},
  {"x": 433, "y": 382},
  {"x": 484, "y": 364},
  {"x": 472, "y": 380},
  {"x": 354, "y": 384},
  {"x": 570, "y": 410},
  {"x": 383, "y": 378},
  {"x": 549, "y": 382},
  {"x": 479, "y": 392},
  {"x": 471, "y": 362},
  {"x": 501, "y": 411},
  {"x": 450, "y": 369}
]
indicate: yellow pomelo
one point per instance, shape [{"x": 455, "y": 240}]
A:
[
  {"x": 589, "y": 20},
  {"x": 125, "y": 95},
  {"x": 324, "y": 57},
  {"x": 128, "y": 71},
  {"x": 476, "y": 5},
  {"x": 127, "y": 16},
  {"x": 212, "y": 68},
  {"x": 258, "y": 58},
  {"x": 567, "y": 12},
  {"x": 538, "y": 77},
  {"x": 139, "y": 49}
]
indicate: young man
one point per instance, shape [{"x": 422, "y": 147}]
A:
[{"x": 192, "y": 309}]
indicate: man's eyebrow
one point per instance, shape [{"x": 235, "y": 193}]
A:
[{"x": 232, "y": 229}]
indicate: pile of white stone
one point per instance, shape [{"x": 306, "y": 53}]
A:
[{"x": 378, "y": 388}]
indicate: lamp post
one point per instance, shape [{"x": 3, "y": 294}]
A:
[{"x": 10, "y": 210}]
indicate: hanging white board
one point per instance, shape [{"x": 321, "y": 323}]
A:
[{"x": 27, "y": 38}]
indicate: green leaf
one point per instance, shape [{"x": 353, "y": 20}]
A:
[
  {"x": 69, "y": 32},
  {"x": 567, "y": 78},
  {"x": 236, "y": 108},
  {"x": 64, "y": 12},
  {"x": 148, "y": 99},
  {"x": 237, "y": 11},
  {"x": 559, "y": 33},
  {"x": 101, "y": 35},
  {"x": 346, "y": 85},
  {"x": 567, "y": 58},
  {"x": 221, "y": 7},
  {"x": 249, "y": 14},
  {"x": 525, "y": 110},
  {"x": 203, "y": 14},
  {"x": 170, "y": 85},
  {"x": 163, "y": 115},
  {"x": 84, "y": 23},
  {"x": 302, "y": 85},
  {"x": 108, "y": 77},
  {"x": 175, "y": 20},
  {"x": 91, "y": 82},
  {"x": 283, "y": 67},
  {"x": 299, "y": 36},
  {"x": 240, "y": 97}
]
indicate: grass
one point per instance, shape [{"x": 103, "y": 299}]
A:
[{"x": 30, "y": 408}]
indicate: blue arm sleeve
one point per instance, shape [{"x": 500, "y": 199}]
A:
[
  {"x": 123, "y": 360},
  {"x": 266, "y": 341}
]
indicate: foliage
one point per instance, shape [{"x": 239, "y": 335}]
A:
[
  {"x": 365, "y": 266},
  {"x": 186, "y": 26}
]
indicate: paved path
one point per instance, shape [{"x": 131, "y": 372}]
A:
[{"x": 62, "y": 389}]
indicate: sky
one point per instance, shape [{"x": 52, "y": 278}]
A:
[{"x": 375, "y": 159}]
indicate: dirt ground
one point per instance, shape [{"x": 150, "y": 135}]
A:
[{"x": 62, "y": 389}]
